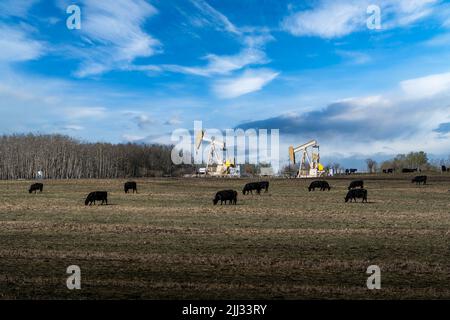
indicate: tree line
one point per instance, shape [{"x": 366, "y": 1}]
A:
[
  {"x": 62, "y": 157},
  {"x": 413, "y": 160}
]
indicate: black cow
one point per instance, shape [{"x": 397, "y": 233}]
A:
[
  {"x": 356, "y": 194},
  {"x": 419, "y": 180},
  {"x": 350, "y": 171},
  {"x": 264, "y": 185},
  {"x": 406, "y": 170},
  {"x": 356, "y": 184},
  {"x": 131, "y": 185},
  {"x": 96, "y": 196},
  {"x": 225, "y": 195},
  {"x": 252, "y": 186},
  {"x": 323, "y": 185},
  {"x": 388, "y": 170},
  {"x": 35, "y": 187}
]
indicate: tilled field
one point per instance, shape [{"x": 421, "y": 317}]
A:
[{"x": 170, "y": 242}]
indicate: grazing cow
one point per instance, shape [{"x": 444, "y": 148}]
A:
[
  {"x": 323, "y": 185},
  {"x": 130, "y": 185},
  {"x": 264, "y": 185},
  {"x": 225, "y": 195},
  {"x": 96, "y": 196},
  {"x": 419, "y": 180},
  {"x": 388, "y": 170},
  {"x": 252, "y": 186},
  {"x": 356, "y": 194},
  {"x": 35, "y": 187},
  {"x": 406, "y": 170},
  {"x": 356, "y": 184}
]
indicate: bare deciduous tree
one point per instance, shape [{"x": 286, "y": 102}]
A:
[{"x": 61, "y": 157}]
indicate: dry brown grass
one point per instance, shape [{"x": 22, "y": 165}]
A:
[{"x": 169, "y": 241}]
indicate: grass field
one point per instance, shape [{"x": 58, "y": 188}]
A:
[{"x": 170, "y": 242}]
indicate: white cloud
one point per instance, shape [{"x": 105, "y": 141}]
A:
[
  {"x": 331, "y": 19},
  {"x": 250, "y": 81},
  {"x": 338, "y": 18},
  {"x": 174, "y": 121},
  {"x": 213, "y": 17},
  {"x": 73, "y": 127},
  {"x": 16, "y": 8},
  {"x": 132, "y": 138},
  {"x": 426, "y": 86},
  {"x": 143, "y": 121},
  {"x": 223, "y": 65},
  {"x": 85, "y": 112},
  {"x": 253, "y": 40},
  {"x": 16, "y": 45},
  {"x": 409, "y": 11},
  {"x": 114, "y": 35}
]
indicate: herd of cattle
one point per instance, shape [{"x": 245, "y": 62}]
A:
[{"x": 355, "y": 191}]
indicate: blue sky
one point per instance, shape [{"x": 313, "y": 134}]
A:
[{"x": 137, "y": 70}]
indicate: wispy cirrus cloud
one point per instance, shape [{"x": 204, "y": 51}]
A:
[
  {"x": 17, "y": 44},
  {"x": 18, "y": 41},
  {"x": 337, "y": 18},
  {"x": 253, "y": 41},
  {"x": 113, "y": 35},
  {"x": 248, "y": 82},
  {"x": 212, "y": 17},
  {"x": 222, "y": 65},
  {"x": 16, "y": 8}
]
